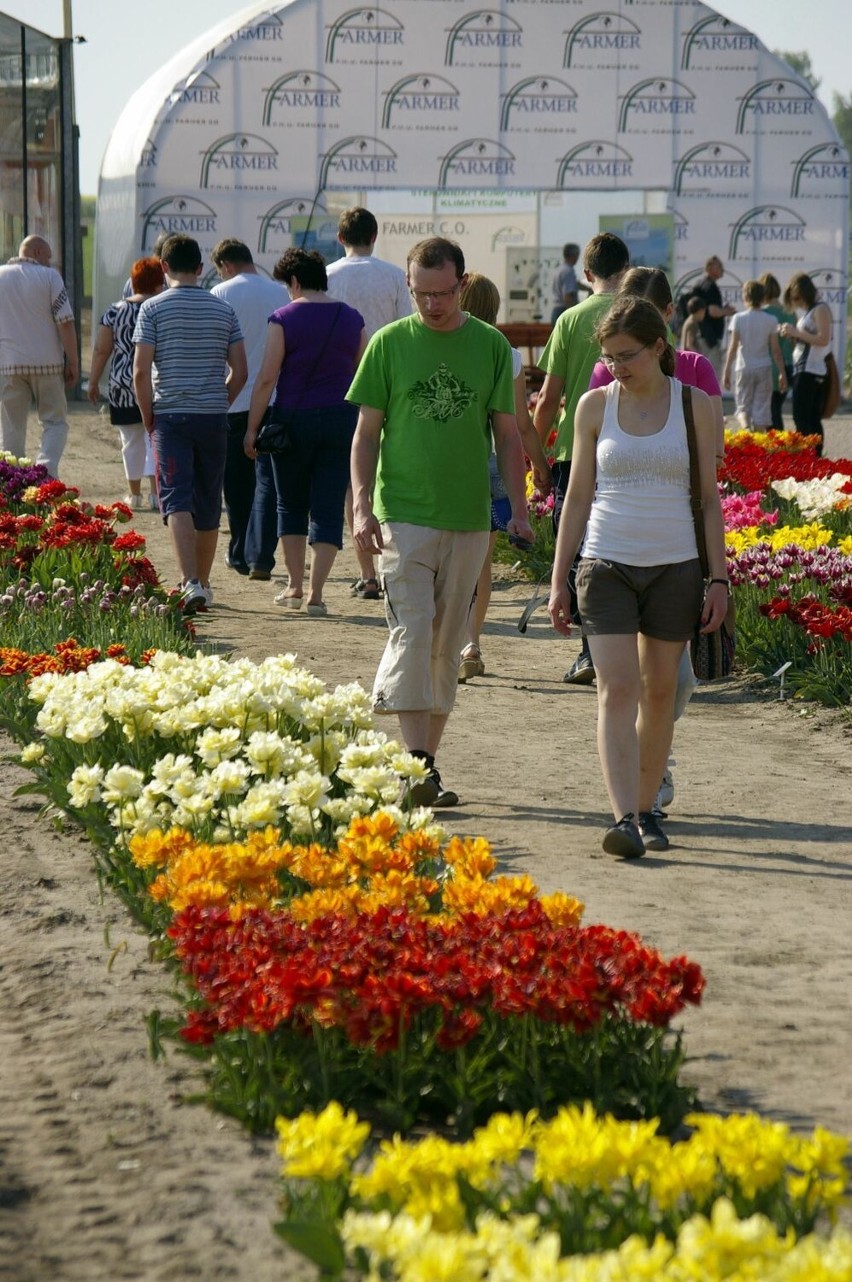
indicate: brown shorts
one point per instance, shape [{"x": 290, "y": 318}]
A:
[{"x": 661, "y": 601}]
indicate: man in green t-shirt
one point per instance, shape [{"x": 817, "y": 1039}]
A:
[
  {"x": 432, "y": 388},
  {"x": 568, "y": 361}
]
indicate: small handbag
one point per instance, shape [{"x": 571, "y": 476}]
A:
[
  {"x": 831, "y": 394},
  {"x": 275, "y": 435},
  {"x": 712, "y": 653}
]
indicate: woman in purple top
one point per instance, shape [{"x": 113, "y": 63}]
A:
[{"x": 313, "y": 347}]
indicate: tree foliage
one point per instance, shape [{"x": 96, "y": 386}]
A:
[
  {"x": 800, "y": 61},
  {"x": 841, "y": 117}
]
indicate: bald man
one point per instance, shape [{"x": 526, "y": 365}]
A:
[{"x": 38, "y": 352}]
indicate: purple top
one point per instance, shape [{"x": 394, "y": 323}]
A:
[
  {"x": 690, "y": 367},
  {"x": 320, "y": 346}
]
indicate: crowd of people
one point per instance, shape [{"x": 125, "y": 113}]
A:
[{"x": 401, "y": 410}]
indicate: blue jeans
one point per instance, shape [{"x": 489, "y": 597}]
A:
[
  {"x": 312, "y": 477},
  {"x": 261, "y": 537}
]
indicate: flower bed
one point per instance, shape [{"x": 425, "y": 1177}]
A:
[
  {"x": 432, "y": 1020},
  {"x": 580, "y": 1196}
]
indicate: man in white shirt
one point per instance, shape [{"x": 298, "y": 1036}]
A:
[
  {"x": 376, "y": 289},
  {"x": 249, "y": 486},
  {"x": 38, "y": 352},
  {"x": 379, "y": 291}
]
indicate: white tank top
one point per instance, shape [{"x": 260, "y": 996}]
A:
[
  {"x": 641, "y": 514},
  {"x": 811, "y": 356}
]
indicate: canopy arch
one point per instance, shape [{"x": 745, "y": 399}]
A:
[{"x": 251, "y": 130}]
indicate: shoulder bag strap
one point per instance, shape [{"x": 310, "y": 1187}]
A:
[{"x": 695, "y": 501}]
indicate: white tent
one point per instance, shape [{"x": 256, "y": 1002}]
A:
[{"x": 268, "y": 124}]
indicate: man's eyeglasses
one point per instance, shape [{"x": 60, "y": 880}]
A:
[
  {"x": 625, "y": 359},
  {"x": 433, "y": 295}
]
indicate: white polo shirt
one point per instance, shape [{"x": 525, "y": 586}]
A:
[{"x": 33, "y": 302}]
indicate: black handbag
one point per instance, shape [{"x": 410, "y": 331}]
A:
[
  {"x": 275, "y": 435},
  {"x": 712, "y": 653}
]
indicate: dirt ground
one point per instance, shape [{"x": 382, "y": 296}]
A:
[{"x": 108, "y": 1173}]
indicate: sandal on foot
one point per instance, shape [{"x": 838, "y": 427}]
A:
[
  {"x": 471, "y": 664},
  {"x": 317, "y": 610},
  {"x": 369, "y": 590},
  {"x": 289, "y": 601}
]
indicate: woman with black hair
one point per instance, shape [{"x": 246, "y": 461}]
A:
[
  {"x": 812, "y": 336},
  {"x": 313, "y": 347}
]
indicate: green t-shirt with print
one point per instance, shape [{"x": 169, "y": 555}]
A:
[
  {"x": 570, "y": 354},
  {"x": 437, "y": 391}
]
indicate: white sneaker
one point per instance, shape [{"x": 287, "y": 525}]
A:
[
  {"x": 134, "y": 501},
  {"x": 208, "y": 592},
  {"x": 153, "y": 502},
  {"x": 665, "y": 793},
  {"x": 194, "y": 597}
]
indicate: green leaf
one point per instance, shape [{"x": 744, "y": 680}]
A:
[
  {"x": 316, "y": 1242},
  {"x": 36, "y": 786}
]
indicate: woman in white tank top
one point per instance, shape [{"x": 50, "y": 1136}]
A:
[
  {"x": 812, "y": 336},
  {"x": 639, "y": 582}
]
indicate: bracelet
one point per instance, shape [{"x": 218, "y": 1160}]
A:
[{"x": 726, "y": 583}]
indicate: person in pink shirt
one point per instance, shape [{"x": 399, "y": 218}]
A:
[{"x": 690, "y": 367}]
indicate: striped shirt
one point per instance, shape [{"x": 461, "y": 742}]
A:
[
  {"x": 120, "y": 319},
  {"x": 190, "y": 331}
]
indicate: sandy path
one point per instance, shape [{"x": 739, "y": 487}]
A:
[{"x": 106, "y": 1174}]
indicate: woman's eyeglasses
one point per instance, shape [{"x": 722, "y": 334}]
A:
[{"x": 625, "y": 358}]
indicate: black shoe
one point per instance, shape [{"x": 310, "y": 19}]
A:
[
  {"x": 446, "y": 797},
  {"x": 624, "y": 839},
  {"x": 259, "y": 575},
  {"x": 239, "y": 566},
  {"x": 651, "y": 831},
  {"x": 421, "y": 792},
  {"x": 429, "y": 792},
  {"x": 581, "y": 672},
  {"x": 367, "y": 589}
]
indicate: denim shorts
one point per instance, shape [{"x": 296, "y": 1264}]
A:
[
  {"x": 190, "y": 450},
  {"x": 661, "y": 601}
]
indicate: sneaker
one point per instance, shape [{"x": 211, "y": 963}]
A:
[
  {"x": 208, "y": 593},
  {"x": 134, "y": 501},
  {"x": 581, "y": 672},
  {"x": 153, "y": 502},
  {"x": 194, "y": 597},
  {"x": 446, "y": 797},
  {"x": 421, "y": 792},
  {"x": 624, "y": 839},
  {"x": 429, "y": 792},
  {"x": 665, "y": 795},
  {"x": 471, "y": 664},
  {"x": 651, "y": 831},
  {"x": 259, "y": 575}
]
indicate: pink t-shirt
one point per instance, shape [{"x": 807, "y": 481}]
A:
[{"x": 691, "y": 368}]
